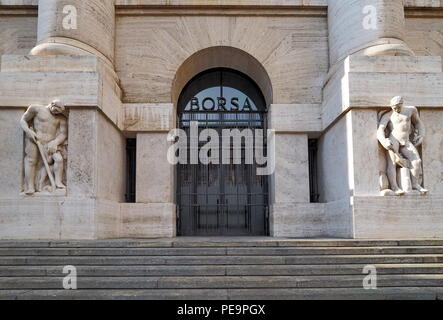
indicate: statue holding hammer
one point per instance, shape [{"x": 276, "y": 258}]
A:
[{"x": 46, "y": 134}]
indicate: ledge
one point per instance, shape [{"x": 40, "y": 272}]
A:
[
  {"x": 231, "y": 3},
  {"x": 228, "y": 3},
  {"x": 79, "y": 81}
]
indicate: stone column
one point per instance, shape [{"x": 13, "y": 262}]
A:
[
  {"x": 367, "y": 27},
  {"x": 76, "y": 28}
]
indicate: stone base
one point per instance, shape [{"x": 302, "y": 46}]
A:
[
  {"x": 364, "y": 217},
  {"x": 405, "y": 217},
  {"x": 62, "y": 218},
  {"x": 370, "y": 217},
  {"x": 47, "y": 193},
  {"x": 47, "y": 218},
  {"x": 311, "y": 220},
  {"x": 148, "y": 220}
]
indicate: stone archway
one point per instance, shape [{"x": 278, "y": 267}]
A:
[{"x": 222, "y": 57}]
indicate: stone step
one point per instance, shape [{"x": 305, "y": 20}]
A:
[
  {"x": 405, "y": 293},
  {"x": 217, "y": 242},
  {"x": 220, "y": 260},
  {"x": 205, "y": 251},
  {"x": 214, "y": 270},
  {"x": 222, "y": 282},
  {"x": 222, "y": 268}
]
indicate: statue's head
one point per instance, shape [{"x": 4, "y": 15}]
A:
[
  {"x": 397, "y": 103},
  {"x": 56, "y": 107}
]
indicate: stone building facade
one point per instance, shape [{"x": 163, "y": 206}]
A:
[{"x": 320, "y": 74}]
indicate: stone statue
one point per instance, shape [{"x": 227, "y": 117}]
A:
[
  {"x": 45, "y": 148},
  {"x": 400, "y": 132}
]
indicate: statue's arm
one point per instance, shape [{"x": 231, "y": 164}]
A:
[
  {"x": 419, "y": 126},
  {"x": 381, "y": 136},
  {"x": 28, "y": 116},
  {"x": 63, "y": 133}
]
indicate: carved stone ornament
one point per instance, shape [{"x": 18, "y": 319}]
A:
[
  {"x": 401, "y": 132},
  {"x": 46, "y": 142}
]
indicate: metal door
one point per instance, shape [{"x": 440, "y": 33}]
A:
[{"x": 222, "y": 199}]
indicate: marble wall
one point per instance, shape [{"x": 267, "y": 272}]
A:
[
  {"x": 11, "y": 164},
  {"x": 424, "y": 34},
  {"x": 96, "y": 158},
  {"x": 432, "y": 151},
  {"x": 155, "y": 175},
  {"x": 111, "y": 161},
  {"x": 82, "y": 135},
  {"x": 18, "y": 34},
  {"x": 291, "y": 178},
  {"x": 333, "y": 162},
  {"x": 293, "y": 50}
]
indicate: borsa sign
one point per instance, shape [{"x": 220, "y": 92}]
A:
[{"x": 221, "y": 104}]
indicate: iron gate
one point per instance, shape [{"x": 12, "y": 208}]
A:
[{"x": 222, "y": 199}]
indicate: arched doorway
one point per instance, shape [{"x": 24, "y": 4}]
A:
[{"x": 226, "y": 198}]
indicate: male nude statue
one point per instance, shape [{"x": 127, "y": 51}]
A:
[
  {"x": 45, "y": 125},
  {"x": 402, "y": 152}
]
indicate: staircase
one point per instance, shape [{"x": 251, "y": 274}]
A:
[{"x": 222, "y": 268}]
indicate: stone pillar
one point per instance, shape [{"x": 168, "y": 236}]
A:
[
  {"x": 76, "y": 28},
  {"x": 367, "y": 27},
  {"x": 155, "y": 175},
  {"x": 291, "y": 179},
  {"x": 154, "y": 213},
  {"x": 290, "y": 184}
]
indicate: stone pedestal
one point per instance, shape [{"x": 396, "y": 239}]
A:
[{"x": 406, "y": 217}]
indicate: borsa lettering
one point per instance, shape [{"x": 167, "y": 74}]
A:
[{"x": 220, "y": 104}]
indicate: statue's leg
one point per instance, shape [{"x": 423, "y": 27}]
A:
[
  {"x": 58, "y": 170},
  {"x": 30, "y": 163},
  {"x": 392, "y": 169},
  {"x": 42, "y": 177},
  {"x": 410, "y": 152}
]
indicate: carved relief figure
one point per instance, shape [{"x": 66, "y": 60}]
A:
[
  {"x": 45, "y": 147},
  {"x": 400, "y": 132}
]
